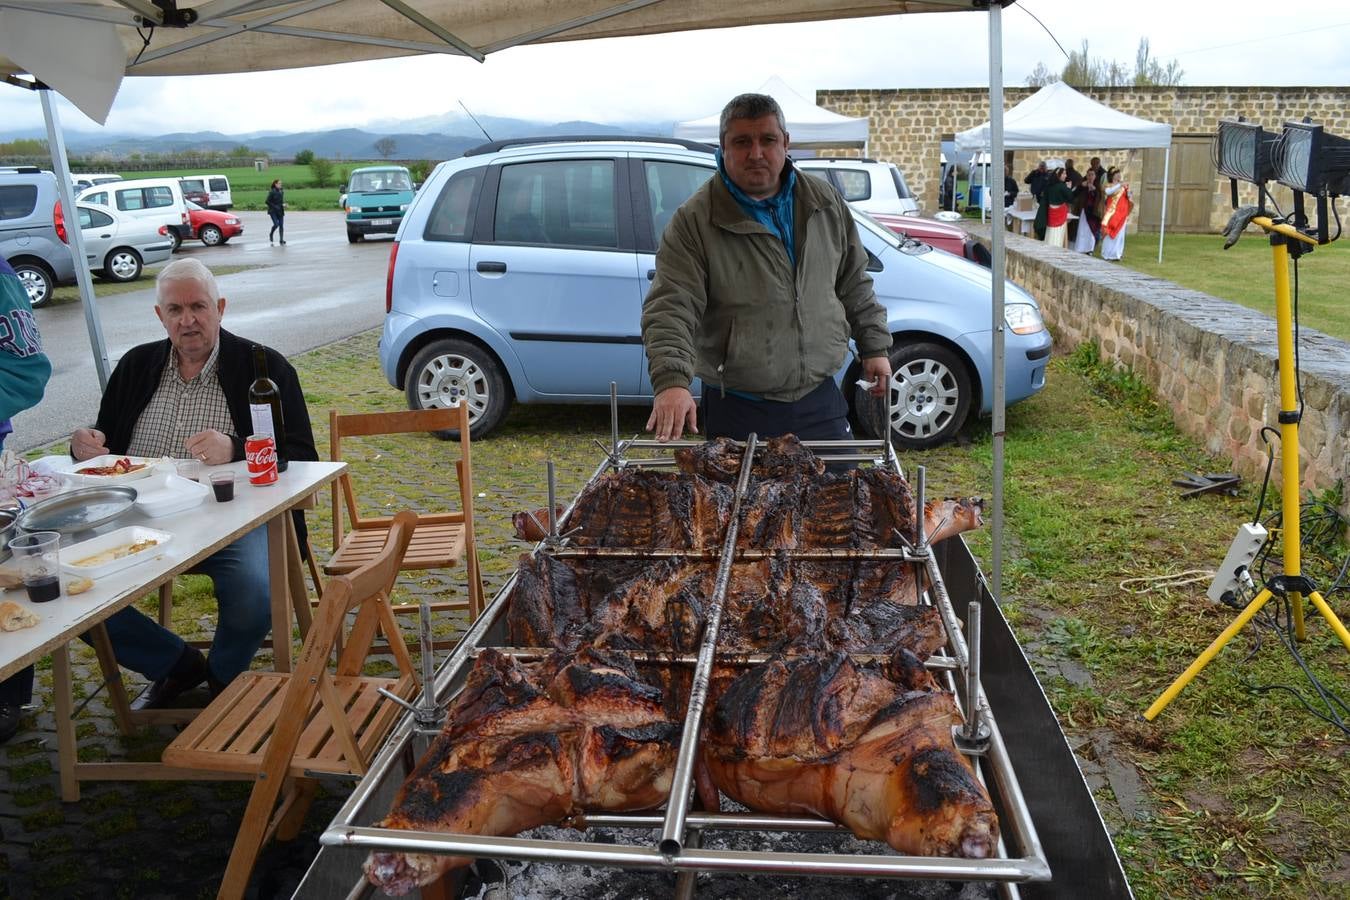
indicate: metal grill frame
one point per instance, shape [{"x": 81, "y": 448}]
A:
[{"x": 1023, "y": 859}]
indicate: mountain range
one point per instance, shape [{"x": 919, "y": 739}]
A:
[{"x": 432, "y": 137}]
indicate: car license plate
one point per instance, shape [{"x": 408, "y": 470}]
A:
[{"x": 382, "y": 221}]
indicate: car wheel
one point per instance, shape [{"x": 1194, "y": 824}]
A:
[
  {"x": 353, "y": 236},
  {"x": 37, "y": 281},
  {"x": 177, "y": 240},
  {"x": 122, "y": 264},
  {"x": 930, "y": 395},
  {"x": 211, "y": 236},
  {"x": 448, "y": 371}
]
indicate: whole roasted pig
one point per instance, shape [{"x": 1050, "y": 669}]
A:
[
  {"x": 526, "y": 746},
  {"x": 867, "y": 746}
]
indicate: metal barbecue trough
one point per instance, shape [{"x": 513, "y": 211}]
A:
[{"x": 1021, "y": 857}]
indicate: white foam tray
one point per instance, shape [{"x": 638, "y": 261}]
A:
[
  {"x": 164, "y": 493},
  {"x": 129, "y": 535}
]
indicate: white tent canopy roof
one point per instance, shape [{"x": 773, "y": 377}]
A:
[
  {"x": 1057, "y": 116},
  {"x": 40, "y": 37},
  {"x": 807, "y": 124}
]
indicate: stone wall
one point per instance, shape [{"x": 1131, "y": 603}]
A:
[
  {"x": 907, "y": 125},
  {"x": 1215, "y": 363}
]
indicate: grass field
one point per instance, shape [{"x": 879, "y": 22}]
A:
[
  {"x": 71, "y": 292},
  {"x": 249, "y": 186}
]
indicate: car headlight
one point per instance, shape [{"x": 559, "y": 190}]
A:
[
  {"x": 231, "y": 221},
  {"x": 403, "y": 208},
  {"x": 1023, "y": 318}
]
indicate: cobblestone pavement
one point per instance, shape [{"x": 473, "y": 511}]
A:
[{"x": 172, "y": 839}]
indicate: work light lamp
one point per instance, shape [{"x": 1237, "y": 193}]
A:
[
  {"x": 1242, "y": 150},
  {"x": 1306, "y": 158}
]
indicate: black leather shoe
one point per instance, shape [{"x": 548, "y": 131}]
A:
[
  {"x": 10, "y": 714},
  {"x": 187, "y": 673}
]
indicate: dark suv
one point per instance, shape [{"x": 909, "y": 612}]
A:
[{"x": 33, "y": 232}]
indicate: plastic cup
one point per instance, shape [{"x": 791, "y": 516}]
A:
[
  {"x": 37, "y": 556},
  {"x": 222, "y": 483},
  {"x": 191, "y": 469}
]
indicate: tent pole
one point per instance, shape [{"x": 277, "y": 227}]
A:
[
  {"x": 1162, "y": 219},
  {"x": 998, "y": 266},
  {"x": 57, "y": 143}
]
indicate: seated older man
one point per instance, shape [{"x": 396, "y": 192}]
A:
[{"x": 187, "y": 396}]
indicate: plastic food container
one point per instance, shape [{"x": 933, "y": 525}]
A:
[
  {"x": 120, "y": 548},
  {"x": 165, "y": 493}
]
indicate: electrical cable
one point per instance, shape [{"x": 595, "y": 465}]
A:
[
  {"x": 1284, "y": 632},
  {"x": 1023, "y": 8},
  {"x": 1166, "y": 580},
  {"x": 145, "y": 42}
]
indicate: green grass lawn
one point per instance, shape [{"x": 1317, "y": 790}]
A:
[
  {"x": 249, "y": 186},
  {"x": 71, "y": 292},
  {"x": 1244, "y": 274}
]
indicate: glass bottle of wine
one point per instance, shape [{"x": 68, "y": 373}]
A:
[{"x": 264, "y": 403}]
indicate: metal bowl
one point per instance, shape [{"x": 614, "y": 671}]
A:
[{"x": 80, "y": 510}]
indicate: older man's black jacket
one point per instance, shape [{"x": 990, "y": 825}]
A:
[{"x": 138, "y": 373}]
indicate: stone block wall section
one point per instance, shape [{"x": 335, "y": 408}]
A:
[
  {"x": 1214, "y": 363},
  {"x": 908, "y": 124}
]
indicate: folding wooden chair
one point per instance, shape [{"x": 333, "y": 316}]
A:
[
  {"x": 441, "y": 539},
  {"x": 278, "y": 726}
]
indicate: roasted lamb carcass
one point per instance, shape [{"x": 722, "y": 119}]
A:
[
  {"x": 532, "y": 745},
  {"x": 867, "y": 746},
  {"x": 642, "y": 508},
  {"x": 720, "y": 459}
]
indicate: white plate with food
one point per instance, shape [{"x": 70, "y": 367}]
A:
[
  {"x": 111, "y": 468},
  {"x": 114, "y": 551}
]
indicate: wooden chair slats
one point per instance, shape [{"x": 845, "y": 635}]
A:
[{"x": 280, "y": 726}]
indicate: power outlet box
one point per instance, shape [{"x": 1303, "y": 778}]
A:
[{"x": 1251, "y": 537}]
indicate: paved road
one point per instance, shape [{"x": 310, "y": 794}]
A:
[{"x": 315, "y": 290}]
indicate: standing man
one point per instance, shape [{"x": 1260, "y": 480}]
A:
[
  {"x": 1037, "y": 179},
  {"x": 187, "y": 396},
  {"x": 761, "y": 280},
  {"x": 24, "y": 370}
]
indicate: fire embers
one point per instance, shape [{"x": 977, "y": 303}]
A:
[
  {"x": 868, "y": 746},
  {"x": 531, "y": 745}
]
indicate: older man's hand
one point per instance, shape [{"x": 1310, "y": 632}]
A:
[
  {"x": 86, "y": 443},
  {"x": 878, "y": 371},
  {"x": 672, "y": 409},
  {"x": 211, "y": 447}
]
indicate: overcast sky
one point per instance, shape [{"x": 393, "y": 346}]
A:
[{"x": 682, "y": 76}]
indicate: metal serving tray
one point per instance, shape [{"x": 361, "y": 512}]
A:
[
  {"x": 1021, "y": 859},
  {"x": 78, "y": 510}
]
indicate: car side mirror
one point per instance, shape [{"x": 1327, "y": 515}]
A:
[{"x": 342, "y": 189}]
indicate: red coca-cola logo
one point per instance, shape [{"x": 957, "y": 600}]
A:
[{"x": 264, "y": 457}]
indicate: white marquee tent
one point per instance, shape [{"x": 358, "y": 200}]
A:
[
  {"x": 809, "y": 125},
  {"x": 1059, "y": 117}
]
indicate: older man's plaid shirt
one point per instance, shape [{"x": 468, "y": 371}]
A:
[{"x": 180, "y": 409}]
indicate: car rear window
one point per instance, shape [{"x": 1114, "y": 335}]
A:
[
  {"x": 220, "y": 184},
  {"x": 853, "y": 184},
  {"x": 193, "y": 184},
  {"x": 452, "y": 217},
  {"x": 568, "y": 203},
  {"x": 17, "y": 201}
]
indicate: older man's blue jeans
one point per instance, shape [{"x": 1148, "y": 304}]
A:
[{"x": 243, "y": 598}]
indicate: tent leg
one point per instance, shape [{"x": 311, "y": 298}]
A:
[
  {"x": 57, "y": 142},
  {"x": 1162, "y": 219},
  {"x": 999, "y": 267}
]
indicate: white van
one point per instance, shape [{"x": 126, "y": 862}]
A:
[
  {"x": 86, "y": 180},
  {"x": 158, "y": 200},
  {"x": 211, "y": 191}
]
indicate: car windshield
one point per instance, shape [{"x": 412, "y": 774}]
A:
[
  {"x": 905, "y": 244},
  {"x": 380, "y": 181}
]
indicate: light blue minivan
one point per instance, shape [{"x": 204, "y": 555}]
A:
[
  {"x": 376, "y": 199},
  {"x": 520, "y": 271}
]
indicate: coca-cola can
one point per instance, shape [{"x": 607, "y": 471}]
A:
[{"x": 261, "y": 453}]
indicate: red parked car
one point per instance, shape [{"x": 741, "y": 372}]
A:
[
  {"x": 942, "y": 235},
  {"x": 210, "y": 227}
]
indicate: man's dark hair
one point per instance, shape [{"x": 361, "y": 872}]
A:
[{"x": 749, "y": 106}]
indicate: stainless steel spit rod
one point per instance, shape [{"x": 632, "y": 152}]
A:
[
  {"x": 709, "y": 822},
  {"x": 665, "y": 462},
  {"x": 972, "y": 737},
  {"x": 738, "y": 555},
  {"x": 552, "y": 536},
  {"x": 730, "y": 658},
  {"x": 428, "y": 714},
  {"x": 920, "y": 485},
  {"x": 614, "y": 423},
  {"x": 678, "y": 805}
]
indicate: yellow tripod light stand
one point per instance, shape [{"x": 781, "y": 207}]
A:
[{"x": 1293, "y": 583}]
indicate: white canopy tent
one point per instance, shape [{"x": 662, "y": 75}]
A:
[
  {"x": 50, "y": 41},
  {"x": 1059, "y": 117},
  {"x": 808, "y": 124}
]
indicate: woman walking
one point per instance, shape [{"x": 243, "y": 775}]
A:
[
  {"x": 1085, "y": 204},
  {"x": 1113, "y": 220},
  {"x": 276, "y": 208}
]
